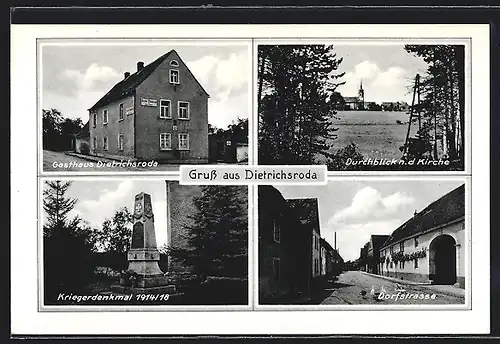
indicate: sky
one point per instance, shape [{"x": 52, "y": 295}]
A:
[
  {"x": 99, "y": 199},
  {"x": 75, "y": 77},
  {"x": 357, "y": 209},
  {"x": 386, "y": 70}
]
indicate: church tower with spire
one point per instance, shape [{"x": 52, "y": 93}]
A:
[{"x": 361, "y": 96}]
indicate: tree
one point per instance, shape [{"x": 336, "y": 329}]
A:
[
  {"x": 56, "y": 206},
  {"x": 58, "y": 132},
  {"x": 219, "y": 236},
  {"x": 67, "y": 244},
  {"x": 296, "y": 102},
  {"x": 113, "y": 239},
  {"x": 443, "y": 105}
]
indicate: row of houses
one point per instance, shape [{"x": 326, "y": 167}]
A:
[
  {"x": 293, "y": 257},
  {"x": 429, "y": 247},
  {"x": 158, "y": 112}
]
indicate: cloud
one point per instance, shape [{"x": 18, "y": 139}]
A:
[
  {"x": 94, "y": 77},
  {"x": 391, "y": 77},
  {"x": 368, "y": 204},
  {"x": 203, "y": 68},
  {"x": 228, "y": 80},
  {"x": 233, "y": 72},
  {"x": 366, "y": 70},
  {"x": 110, "y": 197},
  {"x": 224, "y": 109},
  {"x": 379, "y": 84}
]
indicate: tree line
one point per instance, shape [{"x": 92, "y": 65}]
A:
[{"x": 58, "y": 131}]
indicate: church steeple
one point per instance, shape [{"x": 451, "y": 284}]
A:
[{"x": 361, "y": 96}]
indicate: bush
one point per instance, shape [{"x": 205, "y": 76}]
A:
[{"x": 338, "y": 161}]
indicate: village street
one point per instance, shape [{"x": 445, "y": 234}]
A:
[{"x": 350, "y": 286}]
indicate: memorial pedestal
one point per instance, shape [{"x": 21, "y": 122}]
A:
[{"x": 144, "y": 275}]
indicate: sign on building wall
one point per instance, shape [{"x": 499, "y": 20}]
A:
[
  {"x": 149, "y": 102},
  {"x": 129, "y": 110}
]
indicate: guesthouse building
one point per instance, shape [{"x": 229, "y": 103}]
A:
[{"x": 159, "y": 112}]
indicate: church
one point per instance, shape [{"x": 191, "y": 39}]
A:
[{"x": 356, "y": 103}]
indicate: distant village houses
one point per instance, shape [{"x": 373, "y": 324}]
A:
[{"x": 359, "y": 103}]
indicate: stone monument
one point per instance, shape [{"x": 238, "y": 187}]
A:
[{"x": 143, "y": 256}]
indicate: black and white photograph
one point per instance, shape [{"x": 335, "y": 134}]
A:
[
  {"x": 363, "y": 107},
  {"x": 143, "y": 107},
  {"x": 143, "y": 242},
  {"x": 364, "y": 242}
]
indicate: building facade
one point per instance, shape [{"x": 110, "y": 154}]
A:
[
  {"x": 373, "y": 252},
  {"x": 429, "y": 247},
  {"x": 159, "y": 112},
  {"x": 284, "y": 248},
  {"x": 82, "y": 140},
  {"x": 306, "y": 209}
]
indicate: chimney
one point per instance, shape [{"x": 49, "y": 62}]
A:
[
  {"x": 140, "y": 65},
  {"x": 126, "y": 75},
  {"x": 415, "y": 213}
]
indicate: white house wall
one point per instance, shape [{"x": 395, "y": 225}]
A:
[{"x": 421, "y": 273}]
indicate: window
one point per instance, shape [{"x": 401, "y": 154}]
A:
[
  {"x": 165, "y": 110},
  {"x": 120, "y": 142},
  {"x": 174, "y": 63},
  {"x": 392, "y": 264},
  {"x": 94, "y": 120},
  {"x": 401, "y": 264},
  {"x": 174, "y": 76},
  {"x": 184, "y": 141},
  {"x": 276, "y": 268},
  {"x": 276, "y": 231},
  {"x": 402, "y": 246},
  {"x": 94, "y": 146},
  {"x": 105, "y": 117},
  {"x": 415, "y": 263},
  {"x": 391, "y": 249},
  {"x": 105, "y": 143},
  {"x": 165, "y": 141},
  {"x": 183, "y": 110},
  {"x": 415, "y": 241},
  {"x": 120, "y": 116}
]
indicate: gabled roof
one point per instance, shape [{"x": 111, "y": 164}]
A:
[
  {"x": 326, "y": 244},
  {"x": 128, "y": 85},
  {"x": 444, "y": 210},
  {"x": 84, "y": 132},
  {"x": 378, "y": 240},
  {"x": 306, "y": 210}
]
